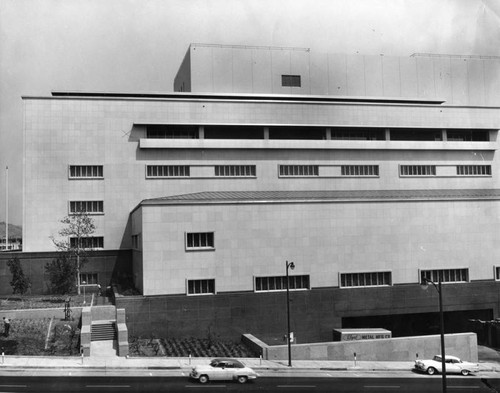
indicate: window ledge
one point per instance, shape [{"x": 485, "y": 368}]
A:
[{"x": 145, "y": 143}]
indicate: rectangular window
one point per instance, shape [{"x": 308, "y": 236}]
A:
[
  {"x": 89, "y": 243},
  {"x": 365, "y": 134},
  {"x": 235, "y": 170},
  {"x": 371, "y": 279},
  {"x": 290, "y": 80},
  {"x": 173, "y": 131},
  {"x": 417, "y": 170},
  {"x": 136, "y": 241},
  {"x": 88, "y": 279},
  {"x": 497, "y": 273},
  {"x": 298, "y": 170},
  {"x": 200, "y": 241},
  {"x": 86, "y": 172},
  {"x": 416, "y": 134},
  {"x": 474, "y": 170},
  {"x": 445, "y": 275},
  {"x": 278, "y": 283},
  {"x": 162, "y": 171},
  {"x": 468, "y": 135},
  {"x": 201, "y": 287},
  {"x": 359, "y": 170},
  {"x": 90, "y": 207}
]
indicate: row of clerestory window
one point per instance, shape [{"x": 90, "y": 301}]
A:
[{"x": 346, "y": 280}]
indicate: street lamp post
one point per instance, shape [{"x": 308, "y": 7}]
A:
[
  {"x": 424, "y": 284},
  {"x": 83, "y": 282},
  {"x": 290, "y": 265}
]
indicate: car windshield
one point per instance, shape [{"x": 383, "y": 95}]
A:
[{"x": 437, "y": 358}]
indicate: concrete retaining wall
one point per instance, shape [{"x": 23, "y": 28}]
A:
[
  {"x": 122, "y": 331},
  {"x": 463, "y": 345},
  {"x": 86, "y": 331},
  {"x": 314, "y": 313}
]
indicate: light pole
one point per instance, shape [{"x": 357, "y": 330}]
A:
[
  {"x": 425, "y": 283},
  {"x": 290, "y": 265},
  {"x": 83, "y": 282}
]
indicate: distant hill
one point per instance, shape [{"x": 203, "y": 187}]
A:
[{"x": 15, "y": 231}]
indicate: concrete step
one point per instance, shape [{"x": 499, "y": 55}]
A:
[{"x": 103, "y": 331}]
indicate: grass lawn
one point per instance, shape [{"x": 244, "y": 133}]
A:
[{"x": 28, "y": 337}]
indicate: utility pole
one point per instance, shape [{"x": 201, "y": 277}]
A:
[
  {"x": 6, "y": 208},
  {"x": 290, "y": 265}
]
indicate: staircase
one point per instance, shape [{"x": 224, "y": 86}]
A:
[{"x": 103, "y": 330}]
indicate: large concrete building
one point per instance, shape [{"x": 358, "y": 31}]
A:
[{"x": 368, "y": 172}]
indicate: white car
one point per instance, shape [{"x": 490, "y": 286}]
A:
[
  {"x": 453, "y": 365},
  {"x": 223, "y": 369}
]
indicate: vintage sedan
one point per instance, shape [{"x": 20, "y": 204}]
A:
[
  {"x": 223, "y": 369},
  {"x": 453, "y": 365}
]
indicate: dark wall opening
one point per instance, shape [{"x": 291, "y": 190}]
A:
[
  {"x": 420, "y": 324},
  {"x": 314, "y": 133},
  {"x": 234, "y": 132}
]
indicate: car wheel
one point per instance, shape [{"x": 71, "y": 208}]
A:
[
  {"x": 431, "y": 371},
  {"x": 203, "y": 378},
  {"x": 242, "y": 379},
  {"x": 465, "y": 372}
]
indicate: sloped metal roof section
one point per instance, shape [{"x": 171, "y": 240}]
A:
[
  {"x": 250, "y": 97},
  {"x": 245, "y": 197}
]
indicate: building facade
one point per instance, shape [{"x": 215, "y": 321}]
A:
[{"x": 368, "y": 172}]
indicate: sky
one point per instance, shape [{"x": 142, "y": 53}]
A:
[{"x": 138, "y": 45}]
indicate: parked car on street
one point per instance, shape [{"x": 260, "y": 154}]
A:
[
  {"x": 453, "y": 365},
  {"x": 223, "y": 369}
]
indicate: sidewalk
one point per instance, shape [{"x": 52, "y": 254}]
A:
[{"x": 108, "y": 360}]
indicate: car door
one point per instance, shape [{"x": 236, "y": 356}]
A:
[
  {"x": 452, "y": 366},
  {"x": 231, "y": 369},
  {"x": 220, "y": 371}
]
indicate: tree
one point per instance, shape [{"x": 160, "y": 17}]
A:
[
  {"x": 76, "y": 232},
  {"x": 62, "y": 274},
  {"x": 19, "y": 283}
]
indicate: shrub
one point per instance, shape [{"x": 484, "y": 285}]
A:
[
  {"x": 19, "y": 283},
  {"x": 62, "y": 273}
]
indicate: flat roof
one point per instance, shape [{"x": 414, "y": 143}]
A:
[{"x": 328, "y": 196}]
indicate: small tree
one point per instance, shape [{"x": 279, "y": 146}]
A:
[
  {"x": 19, "y": 283},
  {"x": 61, "y": 272},
  {"x": 77, "y": 228}
]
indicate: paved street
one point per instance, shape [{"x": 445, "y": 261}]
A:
[{"x": 107, "y": 372}]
